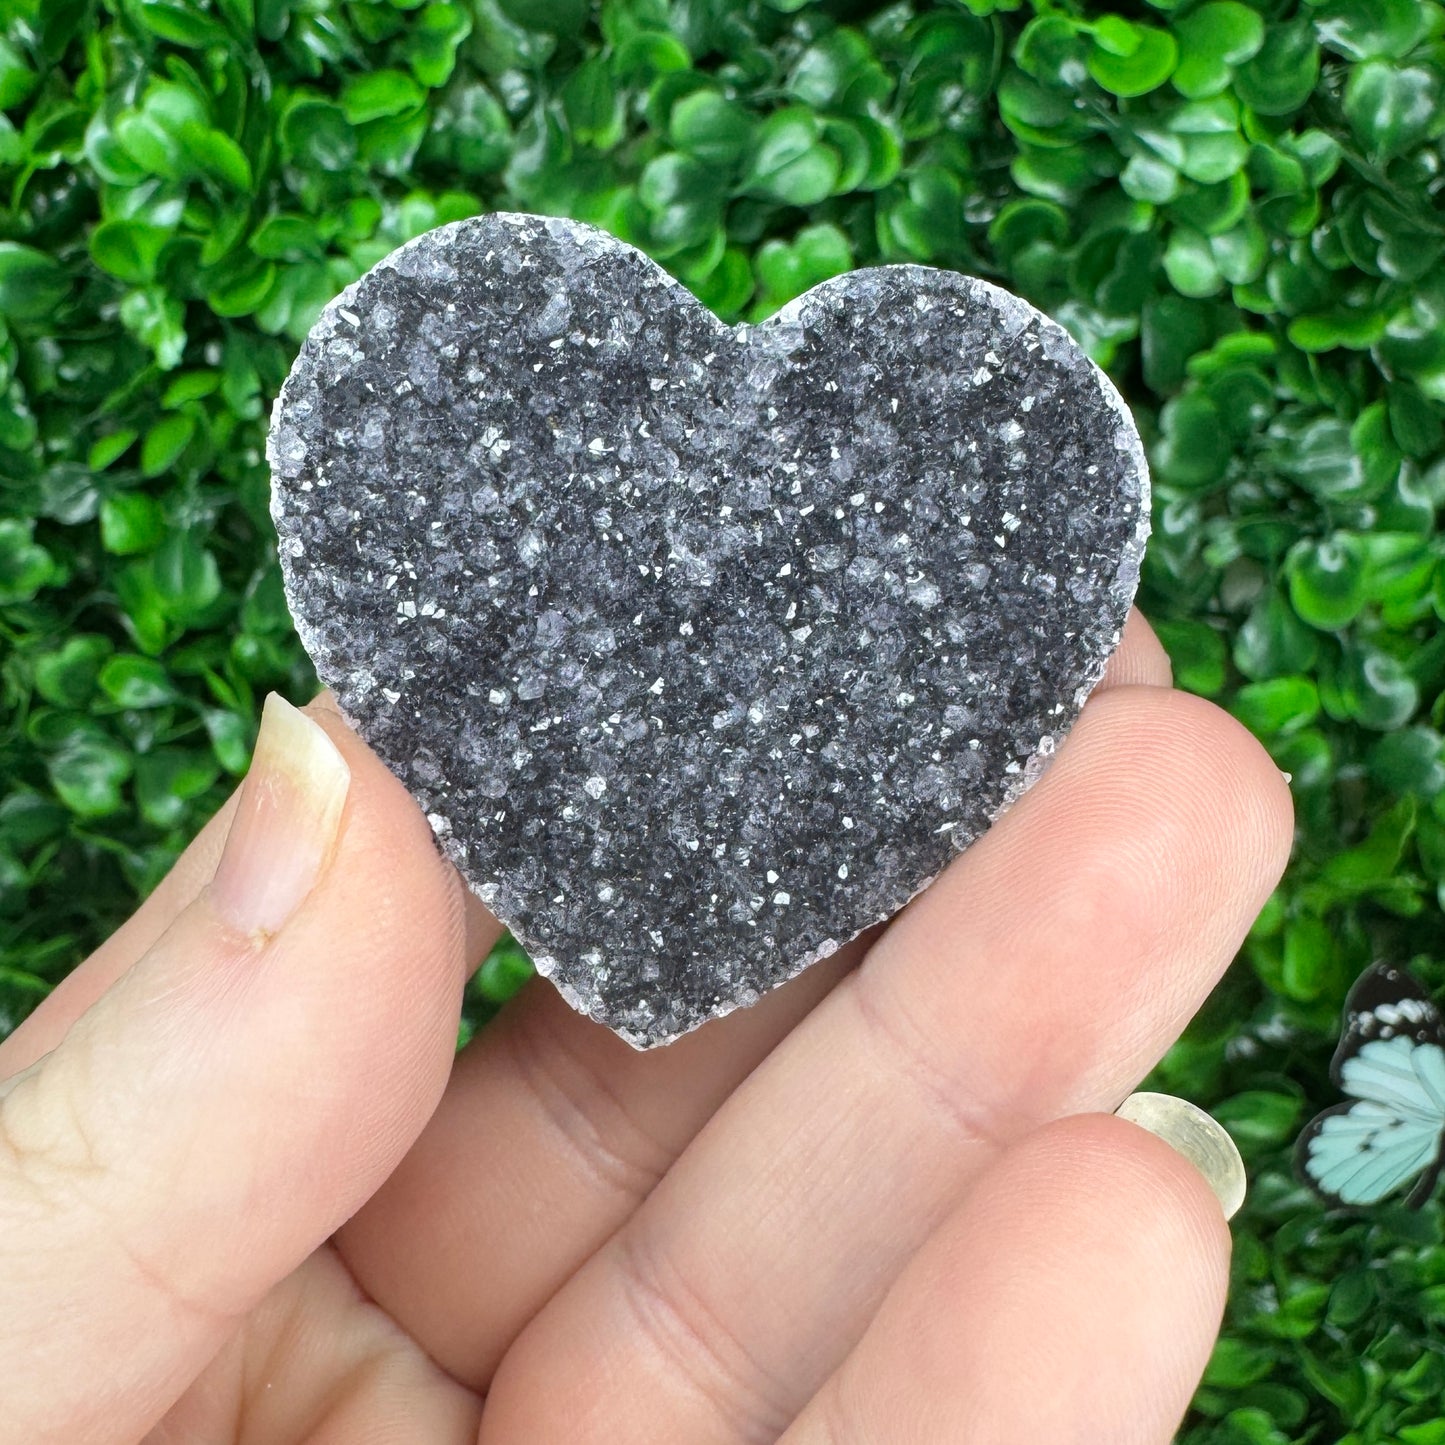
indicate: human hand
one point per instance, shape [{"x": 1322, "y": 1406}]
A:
[{"x": 247, "y": 1195}]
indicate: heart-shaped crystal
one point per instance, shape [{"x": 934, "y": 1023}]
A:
[{"x": 703, "y": 648}]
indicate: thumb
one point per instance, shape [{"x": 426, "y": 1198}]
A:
[{"x": 234, "y": 1097}]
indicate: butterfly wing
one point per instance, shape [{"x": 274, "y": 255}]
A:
[
  {"x": 1391, "y": 1060},
  {"x": 1360, "y": 1152},
  {"x": 1386, "y": 1003}
]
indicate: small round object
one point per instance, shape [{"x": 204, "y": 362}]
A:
[{"x": 1199, "y": 1137}]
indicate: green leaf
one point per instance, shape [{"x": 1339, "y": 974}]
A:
[
  {"x": 1190, "y": 265},
  {"x": 166, "y": 781},
  {"x": 787, "y": 270},
  {"x": 1147, "y": 178},
  {"x": 728, "y": 287},
  {"x": 1374, "y": 29},
  {"x": 1024, "y": 223},
  {"x": 1237, "y": 1363},
  {"x": 18, "y": 79},
  {"x": 1171, "y": 330},
  {"x": 474, "y": 130},
  {"x": 432, "y": 42},
  {"x": 710, "y": 128},
  {"x": 1415, "y": 421},
  {"x": 1375, "y": 690},
  {"x": 158, "y": 321},
  {"x": 128, "y": 249},
  {"x": 1116, "y": 36},
  {"x": 1370, "y": 864},
  {"x": 1273, "y": 642},
  {"x": 1354, "y": 1295},
  {"x": 683, "y": 199},
  {"x": 1327, "y": 581},
  {"x": 242, "y": 290},
  {"x": 1310, "y": 965},
  {"x": 156, "y": 136},
  {"x": 1352, "y": 330},
  {"x": 502, "y": 973},
  {"x": 644, "y": 57},
  {"x": 1282, "y": 705},
  {"x": 1197, "y": 654},
  {"x": 884, "y": 152},
  {"x": 1283, "y": 75},
  {"x": 138, "y": 682},
  {"x": 316, "y": 135},
  {"x": 288, "y": 237},
  {"x": 1062, "y": 175},
  {"x": 25, "y": 565},
  {"x": 1038, "y": 114},
  {"x": 66, "y": 677},
  {"x": 378, "y": 94},
  {"x": 1392, "y": 108},
  {"x": 834, "y": 64},
  {"x": 1213, "y": 148},
  {"x": 32, "y": 284},
  {"x": 1259, "y": 1119},
  {"x": 1429, "y": 1432},
  {"x": 181, "y": 22},
  {"x": 788, "y": 162},
  {"x": 165, "y": 442},
  {"x": 1213, "y": 40},
  {"x": 213, "y": 153},
  {"x": 1194, "y": 448},
  {"x": 1144, "y": 68},
  {"x": 186, "y": 578},
  {"x": 107, "y": 450},
  {"x": 593, "y": 105},
  {"x": 1218, "y": 207},
  {"x": 1240, "y": 253},
  {"x": 1374, "y": 445},
  {"x": 130, "y": 522},
  {"x": 88, "y": 775},
  {"x": 231, "y": 738},
  {"x": 1335, "y": 461},
  {"x": 926, "y": 222},
  {"x": 551, "y": 17},
  {"x": 1410, "y": 761}
]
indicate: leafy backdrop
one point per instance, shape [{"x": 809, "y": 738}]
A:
[{"x": 1235, "y": 207}]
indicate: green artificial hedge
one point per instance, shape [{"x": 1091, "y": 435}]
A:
[{"x": 1234, "y": 206}]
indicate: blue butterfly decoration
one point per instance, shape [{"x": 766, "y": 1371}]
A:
[{"x": 1391, "y": 1062}]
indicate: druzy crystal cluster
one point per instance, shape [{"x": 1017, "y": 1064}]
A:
[{"x": 703, "y": 648}]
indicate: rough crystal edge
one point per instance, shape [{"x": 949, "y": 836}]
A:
[
  {"x": 1124, "y": 587},
  {"x": 592, "y": 238}
]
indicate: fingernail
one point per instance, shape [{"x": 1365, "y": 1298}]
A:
[
  {"x": 1202, "y": 1140},
  {"x": 286, "y": 821}
]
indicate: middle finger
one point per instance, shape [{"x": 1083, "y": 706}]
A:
[{"x": 1042, "y": 975}]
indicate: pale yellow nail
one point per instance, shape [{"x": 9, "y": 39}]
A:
[
  {"x": 1202, "y": 1140},
  {"x": 286, "y": 822}
]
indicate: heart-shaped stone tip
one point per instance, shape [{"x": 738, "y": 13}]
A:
[{"x": 703, "y": 648}]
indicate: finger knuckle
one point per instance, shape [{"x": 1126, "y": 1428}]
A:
[
  {"x": 69, "y": 1196},
  {"x": 695, "y": 1339},
  {"x": 48, "y": 1139},
  {"x": 581, "y": 1103}
]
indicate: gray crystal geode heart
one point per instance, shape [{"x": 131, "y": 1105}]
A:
[{"x": 703, "y": 648}]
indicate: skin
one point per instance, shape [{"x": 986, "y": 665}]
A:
[{"x": 247, "y": 1194}]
